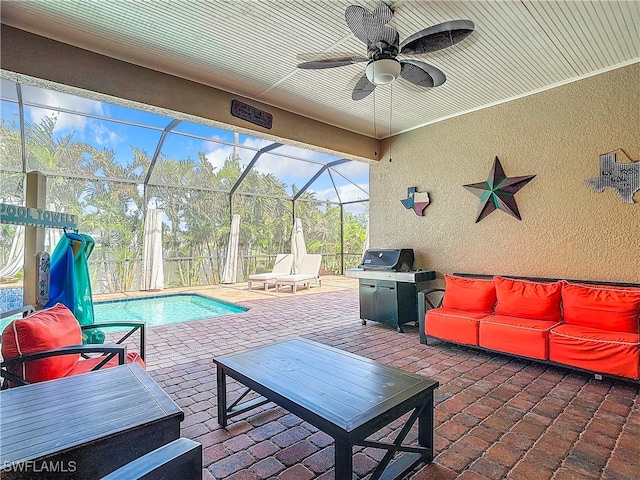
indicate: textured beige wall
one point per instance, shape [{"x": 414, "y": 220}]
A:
[{"x": 567, "y": 229}]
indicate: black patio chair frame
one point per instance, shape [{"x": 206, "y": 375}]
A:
[{"x": 108, "y": 350}]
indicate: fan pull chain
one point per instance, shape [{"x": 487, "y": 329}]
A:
[
  {"x": 390, "y": 112},
  {"x": 375, "y": 125}
]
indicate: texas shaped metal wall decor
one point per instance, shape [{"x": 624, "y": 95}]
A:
[
  {"x": 418, "y": 201},
  {"x": 623, "y": 178}
]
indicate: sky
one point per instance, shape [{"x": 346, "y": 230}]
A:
[{"x": 119, "y": 138}]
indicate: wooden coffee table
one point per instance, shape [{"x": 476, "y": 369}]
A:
[{"x": 346, "y": 396}]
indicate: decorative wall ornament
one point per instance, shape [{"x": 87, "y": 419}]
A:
[
  {"x": 251, "y": 114},
  {"x": 416, "y": 200},
  {"x": 623, "y": 178},
  {"x": 497, "y": 193}
]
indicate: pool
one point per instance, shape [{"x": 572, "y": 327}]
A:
[
  {"x": 10, "y": 298},
  {"x": 158, "y": 310},
  {"x": 164, "y": 309}
]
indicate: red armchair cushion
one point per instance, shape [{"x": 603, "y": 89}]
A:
[
  {"x": 526, "y": 299},
  {"x": 87, "y": 365},
  {"x": 469, "y": 294},
  {"x": 610, "y": 308},
  {"x": 47, "y": 329}
]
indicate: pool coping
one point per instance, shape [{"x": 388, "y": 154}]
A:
[{"x": 166, "y": 295}]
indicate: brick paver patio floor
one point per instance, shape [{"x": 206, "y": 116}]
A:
[{"x": 496, "y": 416}]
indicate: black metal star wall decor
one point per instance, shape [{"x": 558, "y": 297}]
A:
[{"x": 497, "y": 193}]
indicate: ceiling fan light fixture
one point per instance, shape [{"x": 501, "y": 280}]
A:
[{"x": 383, "y": 71}]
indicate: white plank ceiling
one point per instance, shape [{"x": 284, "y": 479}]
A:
[{"x": 252, "y": 48}]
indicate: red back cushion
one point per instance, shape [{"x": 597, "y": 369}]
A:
[
  {"x": 471, "y": 294},
  {"x": 44, "y": 330},
  {"x": 522, "y": 298},
  {"x": 605, "y": 307}
]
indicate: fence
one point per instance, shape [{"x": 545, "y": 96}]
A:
[{"x": 108, "y": 276}]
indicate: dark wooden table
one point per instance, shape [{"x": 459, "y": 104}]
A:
[
  {"x": 347, "y": 396},
  {"x": 84, "y": 426}
]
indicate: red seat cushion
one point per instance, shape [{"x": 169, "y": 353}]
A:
[
  {"x": 516, "y": 335},
  {"x": 470, "y": 294},
  {"x": 47, "y": 329},
  {"x": 597, "y": 350},
  {"x": 453, "y": 325},
  {"x": 605, "y": 307},
  {"x": 84, "y": 366},
  {"x": 526, "y": 299}
]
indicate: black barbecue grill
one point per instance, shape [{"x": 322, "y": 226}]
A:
[
  {"x": 389, "y": 259},
  {"x": 389, "y": 286}
]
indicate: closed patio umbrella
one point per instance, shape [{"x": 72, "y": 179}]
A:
[
  {"x": 15, "y": 262},
  {"x": 231, "y": 262},
  {"x": 152, "y": 261},
  {"x": 298, "y": 247}
]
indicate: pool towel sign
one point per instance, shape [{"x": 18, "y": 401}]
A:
[
  {"x": 251, "y": 114},
  {"x": 36, "y": 217},
  {"x": 623, "y": 178}
]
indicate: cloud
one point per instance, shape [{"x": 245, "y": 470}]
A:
[
  {"x": 280, "y": 166},
  {"x": 295, "y": 171},
  {"x": 354, "y": 169},
  {"x": 218, "y": 155},
  {"x": 347, "y": 192},
  {"x": 66, "y": 121},
  {"x": 357, "y": 209},
  {"x": 103, "y": 136},
  {"x": 269, "y": 163}
]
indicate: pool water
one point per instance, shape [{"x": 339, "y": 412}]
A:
[
  {"x": 158, "y": 310},
  {"x": 10, "y": 298},
  {"x": 164, "y": 310}
]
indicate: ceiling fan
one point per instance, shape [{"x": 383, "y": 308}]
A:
[{"x": 383, "y": 47}]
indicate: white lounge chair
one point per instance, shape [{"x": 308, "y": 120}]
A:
[
  {"x": 282, "y": 266},
  {"x": 309, "y": 272}
]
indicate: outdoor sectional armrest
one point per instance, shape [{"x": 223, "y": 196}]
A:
[
  {"x": 425, "y": 301},
  {"x": 181, "y": 458},
  {"x": 109, "y": 351},
  {"x": 134, "y": 326}
]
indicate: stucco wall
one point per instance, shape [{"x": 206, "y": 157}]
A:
[{"x": 567, "y": 229}]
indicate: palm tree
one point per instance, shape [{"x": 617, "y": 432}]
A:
[{"x": 109, "y": 196}]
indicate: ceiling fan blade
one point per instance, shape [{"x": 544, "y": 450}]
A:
[
  {"x": 331, "y": 62},
  {"x": 371, "y": 28},
  {"x": 363, "y": 88},
  {"x": 355, "y": 17},
  {"x": 385, "y": 34},
  {"x": 437, "y": 37},
  {"x": 421, "y": 74},
  {"x": 383, "y": 13}
]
